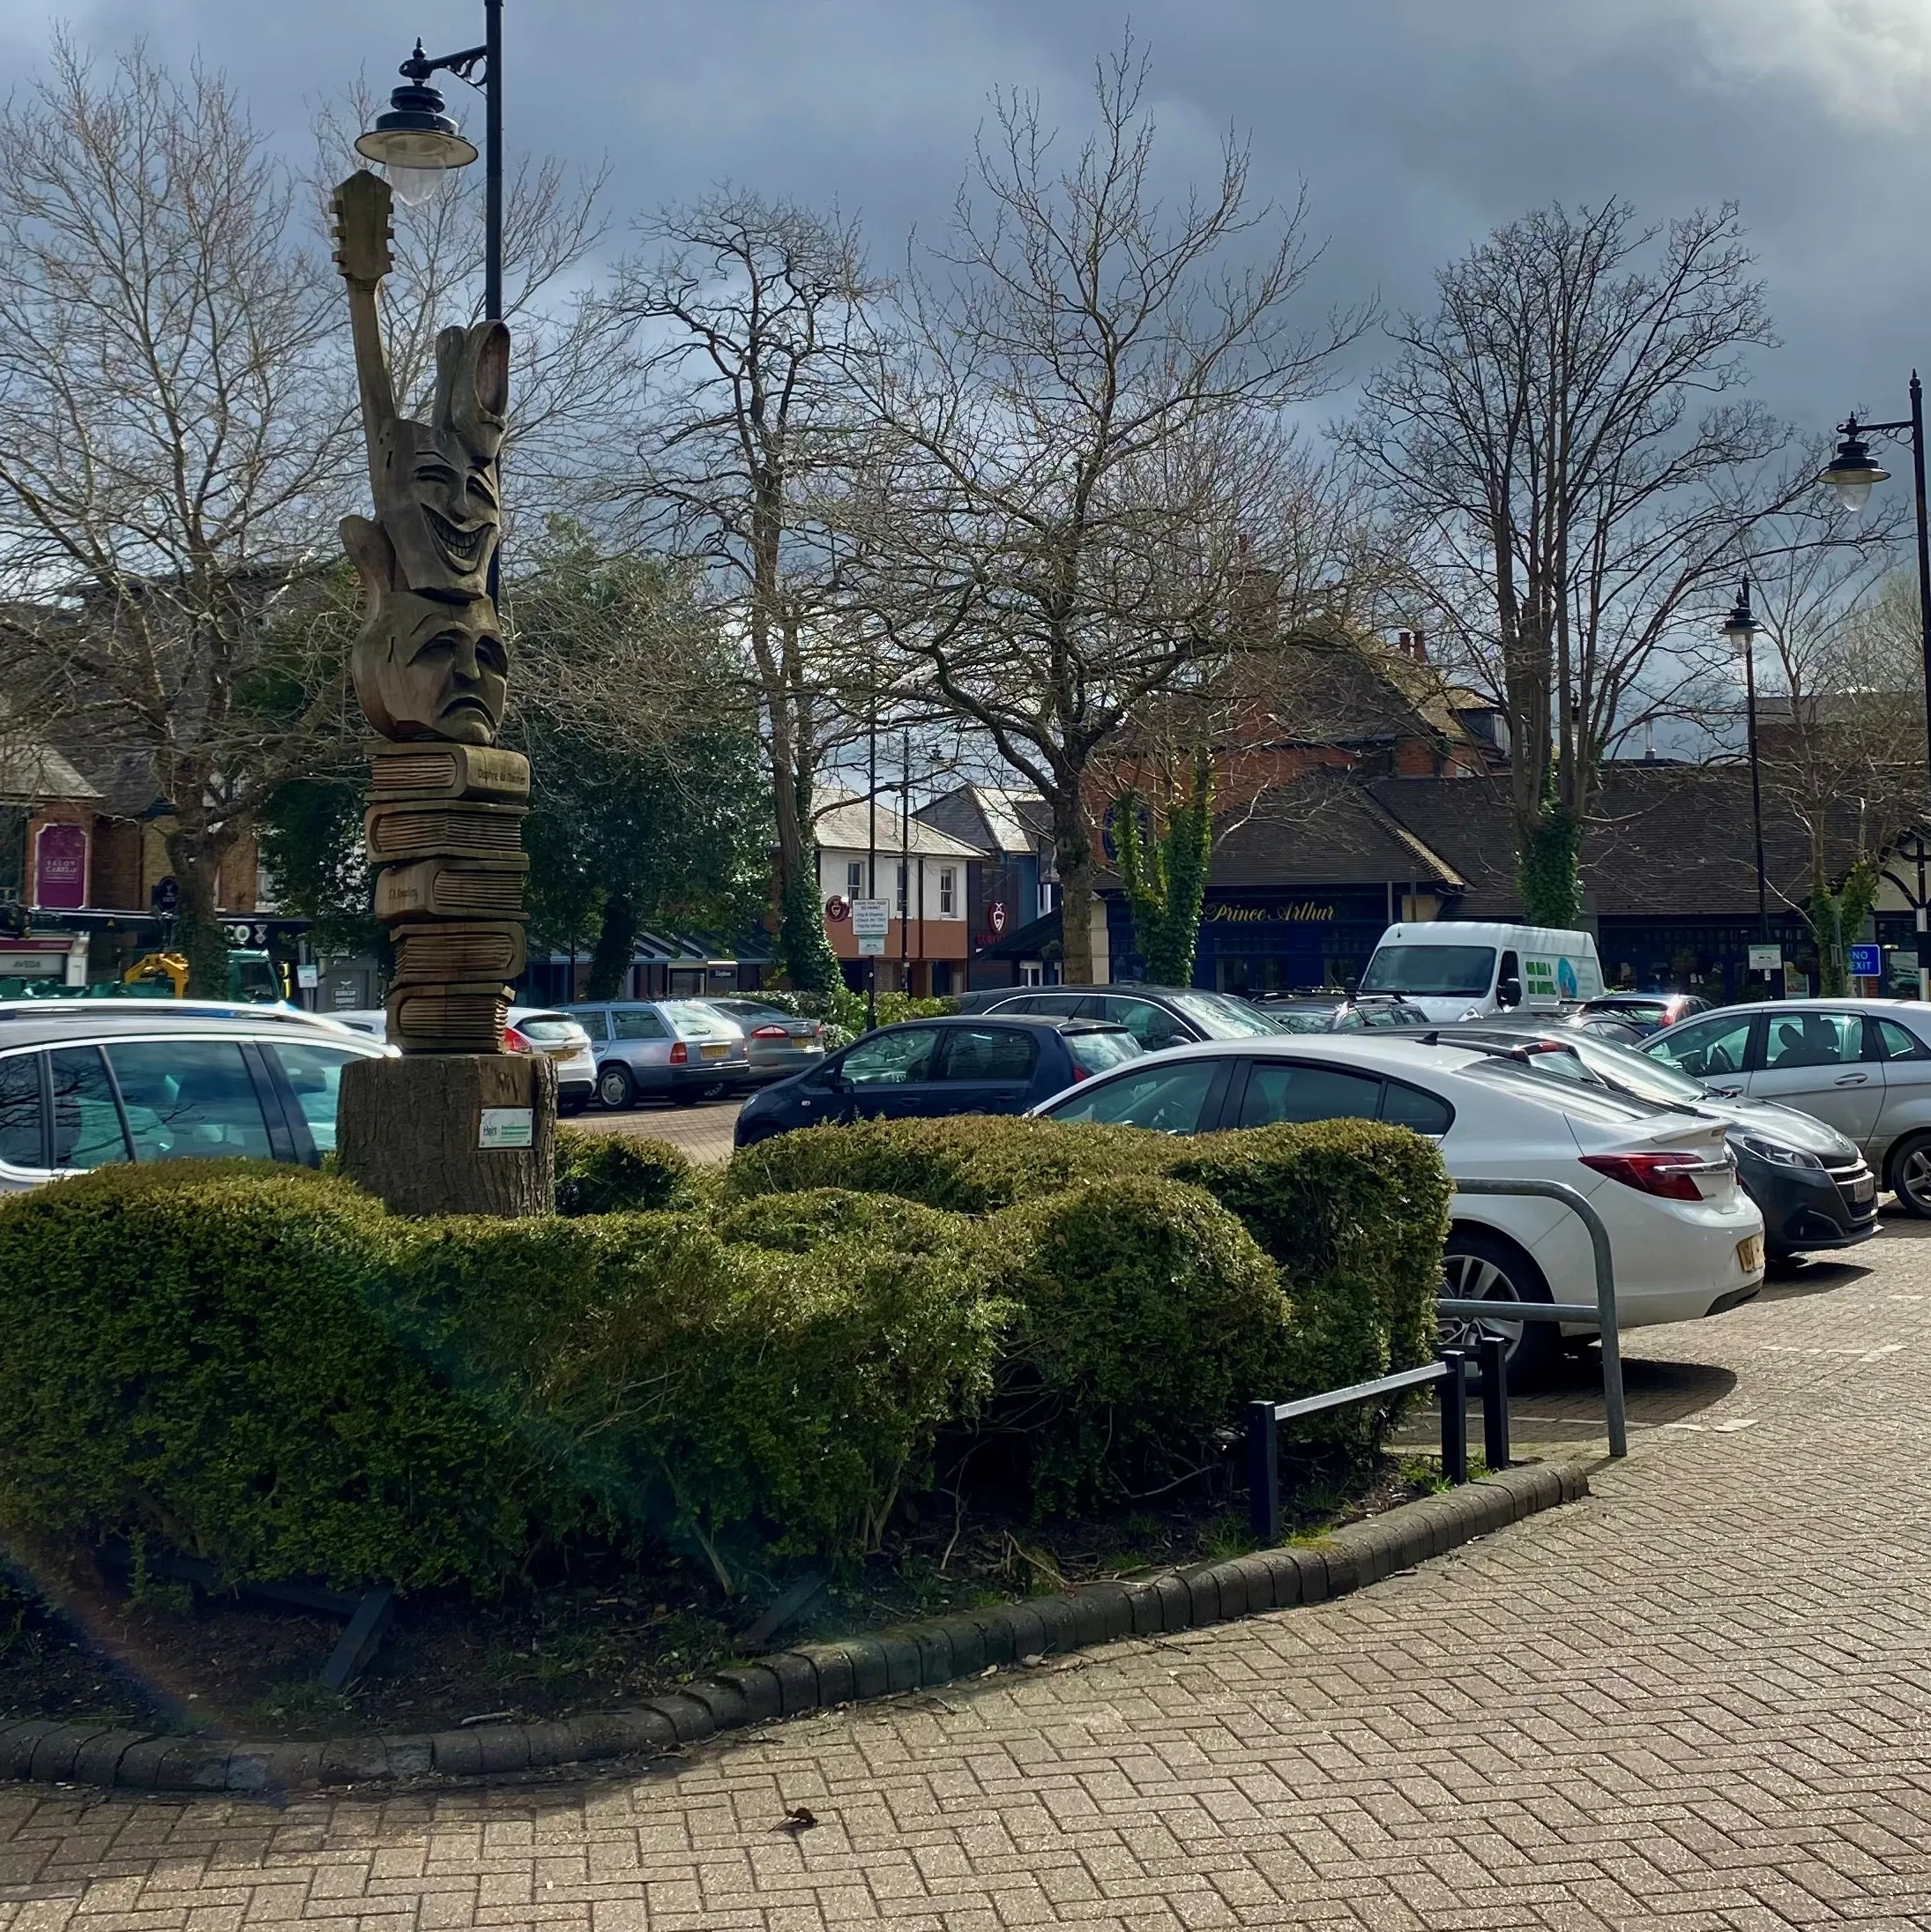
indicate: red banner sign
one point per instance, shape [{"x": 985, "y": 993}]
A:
[{"x": 60, "y": 868}]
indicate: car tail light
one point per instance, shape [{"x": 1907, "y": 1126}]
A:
[
  {"x": 769, "y": 1032},
  {"x": 514, "y": 1041},
  {"x": 679, "y": 1055},
  {"x": 1671, "y": 1175}
]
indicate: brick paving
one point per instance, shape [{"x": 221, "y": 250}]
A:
[
  {"x": 704, "y": 1131},
  {"x": 1700, "y": 1700}
]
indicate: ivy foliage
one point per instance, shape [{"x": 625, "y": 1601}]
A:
[{"x": 1164, "y": 868}]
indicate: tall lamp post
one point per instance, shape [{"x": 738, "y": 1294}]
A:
[
  {"x": 1854, "y": 474},
  {"x": 1741, "y": 628},
  {"x": 416, "y": 142}
]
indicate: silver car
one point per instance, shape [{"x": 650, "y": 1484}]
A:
[
  {"x": 780, "y": 1042},
  {"x": 679, "y": 1051},
  {"x": 1860, "y": 1066},
  {"x": 82, "y": 1087}
]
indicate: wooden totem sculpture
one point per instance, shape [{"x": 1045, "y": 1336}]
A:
[{"x": 444, "y": 823}]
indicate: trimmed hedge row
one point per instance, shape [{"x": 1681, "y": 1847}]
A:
[{"x": 260, "y": 1366}]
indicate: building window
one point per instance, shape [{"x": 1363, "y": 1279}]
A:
[
  {"x": 901, "y": 899},
  {"x": 854, "y": 879},
  {"x": 1048, "y": 895},
  {"x": 12, "y": 852},
  {"x": 948, "y": 891}
]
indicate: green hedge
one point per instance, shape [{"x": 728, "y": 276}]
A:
[
  {"x": 259, "y": 1365},
  {"x": 604, "y": 1173},
  {"x": 206, "y": 1354},
  {"x": 1146, "y": 1315},
  {"x": 1352, "y": 1212}
]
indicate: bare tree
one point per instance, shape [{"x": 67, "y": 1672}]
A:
[
  {"x": 1565, "y": 506},
  {"x": 174, "y": 439},
  {"x": 1840, "y": 710},
  {"x": 1082, "y": 462},
  {"x": 747, "y": 312}
]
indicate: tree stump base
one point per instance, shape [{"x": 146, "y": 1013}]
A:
[{"x": 454, "y": 1133}]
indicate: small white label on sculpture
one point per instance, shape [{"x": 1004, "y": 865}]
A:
[{"x": 508, "y": 1127}]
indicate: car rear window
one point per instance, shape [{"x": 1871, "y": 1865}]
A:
[
  {"x": 20, "y": 1110},
  {"x": 1095, "y": 1053},
  {"x": 1222, "y": 1018},
  {"x": 693, "y": 1016},
  {"x": 547, "y": 1029}
]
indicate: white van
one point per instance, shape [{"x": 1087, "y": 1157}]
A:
[{"x": 1465, "y": 969}]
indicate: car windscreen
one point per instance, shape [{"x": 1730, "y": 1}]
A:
[
  {"x": 548, "y": 1029},
  {"x": 1431, "y": 972},
  {"x": 1634, "y": 1072},
  {"x": 1097, "y": 1052},
  {"x": 1222, "y": 1018}
]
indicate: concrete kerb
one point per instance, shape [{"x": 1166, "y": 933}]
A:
[{"x": 815, "y": 1676}]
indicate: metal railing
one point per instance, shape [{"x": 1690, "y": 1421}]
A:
[
  {"x": 1263, "y": 1418},
  {"x": 1600, "y": 1315}
]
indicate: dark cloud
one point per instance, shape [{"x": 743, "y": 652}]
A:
[{"x": 1416, "y": 124}]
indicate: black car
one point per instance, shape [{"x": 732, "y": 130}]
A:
[
  {"x": 1337, "y": 1013},
  {"x": 1156, "y": 1016},
  {"x": 1810, "y": 1184},
  {"x": 1647, "y": 1012},
  {"x": 970, "y": 1064}
]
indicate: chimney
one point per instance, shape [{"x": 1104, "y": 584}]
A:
[
  {"x": 1421, "y": 648},
  {"x": 1401, "y": 644}
]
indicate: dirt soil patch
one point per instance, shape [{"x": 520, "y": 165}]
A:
[{"x": 170, "y": 1657}]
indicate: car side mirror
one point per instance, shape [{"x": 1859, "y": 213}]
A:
[{"x": 1508, "y": 993}]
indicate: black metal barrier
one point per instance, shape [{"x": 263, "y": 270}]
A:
[{"x": 1263, "y": 1421}]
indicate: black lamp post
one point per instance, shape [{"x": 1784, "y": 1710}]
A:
[
  {"x": 1853, "y": 474},
  {"x": 1741, "y": 628},
  {"x": 416, "y": 142}
]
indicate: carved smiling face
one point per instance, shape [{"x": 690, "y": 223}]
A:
[
  {"x": 436, "y": 480},
  {"x": 425, "y": 669}
]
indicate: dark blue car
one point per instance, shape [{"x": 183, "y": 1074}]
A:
[{"x": 971, "y": 1064}]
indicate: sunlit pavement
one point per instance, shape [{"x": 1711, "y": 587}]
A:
[
  {"x": 704, "y": 1131},
  {"x": 1699, "y": 1699}
]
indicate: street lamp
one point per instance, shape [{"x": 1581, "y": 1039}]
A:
[
  {"x": 1853, "y": 474},
  {"x": 417, "y": 144},
  {"x": 1741, "y": 628}
]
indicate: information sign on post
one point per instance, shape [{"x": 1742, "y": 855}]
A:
[
  {"x": 871, "y": 921},
  {"x": 1766, "y": 959},
  {"x": 1867, "y": 962}
]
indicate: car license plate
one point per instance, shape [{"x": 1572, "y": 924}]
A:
[
  {"x": 1865, "y": 1190},
  {"x": 1749, "y": 1253},
  {"x": 720, "y": 1051}
]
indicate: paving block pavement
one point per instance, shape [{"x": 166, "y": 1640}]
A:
[{"x": 1699, "y": 1700}]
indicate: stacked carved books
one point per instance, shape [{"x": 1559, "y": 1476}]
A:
[{"x": 445, "y": 827}]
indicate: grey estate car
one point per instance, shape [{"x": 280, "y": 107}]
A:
[
  {"x": 680, "y": 1050},
  {"x": 1860, "y": 1066},
  {"x": 780, "y": 1043},
  {"x": 84, "y": 1084}
]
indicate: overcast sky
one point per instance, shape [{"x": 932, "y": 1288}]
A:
[{"x": 1416, "y": 124}]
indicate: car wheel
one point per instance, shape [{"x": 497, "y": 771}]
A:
[
  {"x": 615, "y": 1087},
  {"x": 1910, "y": 1175},
  {"x": 1480, "y": 1266}
]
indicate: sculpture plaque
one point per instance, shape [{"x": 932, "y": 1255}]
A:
[{"x": 430, "y": 669}]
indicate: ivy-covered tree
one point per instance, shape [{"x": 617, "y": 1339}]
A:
[{"x": 1164, "y": 867}]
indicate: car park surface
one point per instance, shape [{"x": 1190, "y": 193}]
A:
[
  {"x": 83, "y": 1087},
  {"x": 1688, "y": 1241},
  {"x": 1158, "y": 1017},
  {"x": 1860, "y": 1066},
  {"x": 970, "y": 1064}
]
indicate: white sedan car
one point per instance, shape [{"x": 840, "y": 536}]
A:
[{"x": 1688, "y": 1242}]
